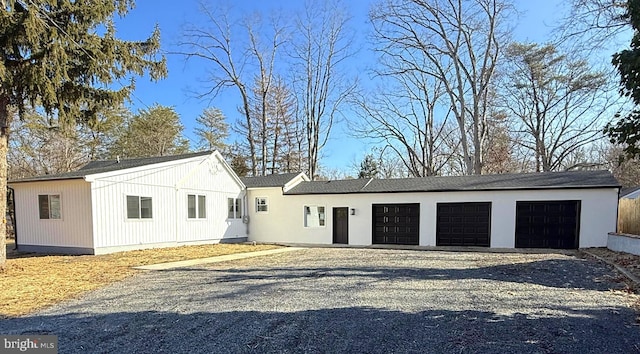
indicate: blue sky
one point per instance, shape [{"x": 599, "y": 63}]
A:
[{"x": 536, "y": 19}]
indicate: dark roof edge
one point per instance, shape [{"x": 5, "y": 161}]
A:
[
  {"x": 28, "y": 180},
  {"x": 460, "y": 190}
]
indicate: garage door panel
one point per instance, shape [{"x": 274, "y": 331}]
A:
[
  {"x": 547, "y": 224},
  {"x": 396, "y": 223},
  {"x": 463, "y": 224}
]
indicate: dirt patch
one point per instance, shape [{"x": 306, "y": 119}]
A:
[
  {"x": 628, "y": 261},
  {"x": 31, "y": 282}
]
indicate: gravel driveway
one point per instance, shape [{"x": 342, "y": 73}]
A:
[{"x": 354, "y": 300}]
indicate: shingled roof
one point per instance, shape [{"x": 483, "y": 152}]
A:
[
  {"x": 544, "y": 180},
  {"x": 345, "y": 186},
  {"x": 626, "y": 191},
  {"x": 275, "y": 180},
  {"x": 102, "y": 166}
]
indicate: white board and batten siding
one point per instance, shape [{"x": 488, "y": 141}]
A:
[
  {"x": 71, "y": 233},
  {"x": 284, "y": 222},
  {"x": 168, "y": 185}
]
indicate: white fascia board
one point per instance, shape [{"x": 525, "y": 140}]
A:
[
  {"x": 302, "y": 177},
  {"x": 229, "y": 169},
  {"x": 632, "y": 195}
]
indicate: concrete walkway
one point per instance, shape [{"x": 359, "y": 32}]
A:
[{"x": 228, "y": 257}]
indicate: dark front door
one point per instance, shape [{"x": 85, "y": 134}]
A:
[
  {"x": 341, "y": 225},
  {"x": 396, "y": 224},
  {"x": 463, "y": 224},
  {"x": 547, "y": 224}
]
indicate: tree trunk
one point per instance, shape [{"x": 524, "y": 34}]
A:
[
  {"x": 4, "y": 131},
  {"x": 247, "y": 115}
]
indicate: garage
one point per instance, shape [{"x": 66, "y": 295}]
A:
[
  {"x": 547, "y": 224},
  {"x": 396, "y": 224},
  {"x": 463, "y": 224}
]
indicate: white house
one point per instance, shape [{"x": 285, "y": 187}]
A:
[
  {"x": 538, "y": 210},
  {"x": 110, "y": 206}
]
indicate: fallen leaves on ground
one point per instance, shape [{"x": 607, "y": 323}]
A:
[
  {"x": 628, "y": 261},
  {"x": 32, "y": 282}
]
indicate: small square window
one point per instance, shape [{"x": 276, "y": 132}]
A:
[
  {"x": 49, "y": 206},
  {"x": 262, "y": 205},
  {"x": 234, "y": 207},
  {"x": 139, "y": 207},
  {"x": 314, "y": 216},
  {"x": 196, "y": 206}
]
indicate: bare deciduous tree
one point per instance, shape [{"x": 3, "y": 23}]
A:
[
  {"x": 391, "y": 166},
  {"x": 287, "y": 137},
  {"x": 243, "y": 53},
  {"x": 215, "y": 45},
  {"x": 555, "y": 103},
  {"x": 626, "y": 171},
  {"x": 458, "y": 44},
  {"x": 323, "y": 45},
  {"x": 591, "y": 24},
  {"x": 42, "y": 147},
  {"x": 403, "y": 118},
  {"x": 265, "y": 56}
]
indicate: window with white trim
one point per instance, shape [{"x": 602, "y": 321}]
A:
[
  {"x": 49, "y": 206},
  {"x": 139, "y": 207},
  {"x": 196, "y": 206},
  {"x": 234, "y": 207},
  {"x": 314, "y": 216},
  {"x": 262, "y": 205}
]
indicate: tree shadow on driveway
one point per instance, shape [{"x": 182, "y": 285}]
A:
[
  {"x": 336, "y": 330},
  {"x": 557, "y": 273}
]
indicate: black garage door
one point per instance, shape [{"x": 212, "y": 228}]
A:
[
  {"x": 463, "y": 224},
  {"x": 548, "y": 224},
  {"x": 396, "y": 224}
]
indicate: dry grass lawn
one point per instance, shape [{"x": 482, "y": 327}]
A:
[{"x": 31, "y": 282}]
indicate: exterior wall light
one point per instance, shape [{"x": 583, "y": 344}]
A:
[{"x": 353, "y": 211}]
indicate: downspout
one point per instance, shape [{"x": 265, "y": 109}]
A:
[
  {"x": 12, "y": 214},
  {"x": 245, "y": 207}
]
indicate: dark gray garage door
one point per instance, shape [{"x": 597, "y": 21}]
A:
[
  {"x": 396, "y": 224},
  {"x": 463, "y": 224},
  {"x": 548, "y": 224}
]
